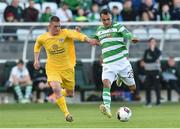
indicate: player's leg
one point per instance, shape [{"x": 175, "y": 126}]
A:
[
  {"x": 118, "y": 81},
  {"x": 127, "y": 76},
  {"x": 128, "y": 79},
  {"x": 108, "y": 76},
  {"x": 68, "y": 83},
  {"x": 60, "y": 100}
]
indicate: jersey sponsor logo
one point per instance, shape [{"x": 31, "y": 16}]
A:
[
  {"x": 56, "y": 50},
  {"x": 107, "y": 31},
  {"x": 105, "y": 36},
  {"x": 54, "y": 46}
]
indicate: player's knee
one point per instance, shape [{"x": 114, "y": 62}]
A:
[
  {"x": 56, "y": 88},
  {"x": 106, "y": 83}
]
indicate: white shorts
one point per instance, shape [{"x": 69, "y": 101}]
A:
[{"x": 113, "y": 71}]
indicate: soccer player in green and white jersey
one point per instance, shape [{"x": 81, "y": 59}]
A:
[{"x": 115, "y": 57}]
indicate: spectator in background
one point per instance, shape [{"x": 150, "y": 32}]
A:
[
  {"x": 97, "y": 73},
  {"x": 176, "y": 10},
  {"x": 15, "y": 9},
  {"x": 80, "y": 16},
  {"x": 30, "y": 14},
  {"x": 64, "y": 13},
  {"x": 94, "y": 15},
  {"x": 116, "y": 16},
  {"x": 145, "y": 16},
  {"x": 128, "y": 12},
  {"x": 102, "y": 3},
  {"x": 165, "y": 14},
  {"x": 9, "y": 31},
  {"x": 20, "y": 79},
  {"x": 148, "y": 7},
  {"x": 163, "y": 2},
  {"x": 39, "y": 1},
  {"x": 170, "y": 76},
  {"x": 40, "y": 85},
  {"x": 46, "y": 15},
  {"x": 136, "y": 4},
  {"x": 141, "y": 74},
  {"x": 74, "y": 5},
  {"x": 55, "y": 1},
  {"x": 152, "y": 70}
]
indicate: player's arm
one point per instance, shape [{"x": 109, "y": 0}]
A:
[
  {"x": 37, "y": 49},
  {"x": 127, "y": 34},
  {"x": 81, "y": 37}
]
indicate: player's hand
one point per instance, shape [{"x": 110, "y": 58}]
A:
[
  {"x": 94, "y": 42},
  {"x": 36, "y": 65},
  {"x": 134, "y": 40},
  {"x": 78, "y": 29}
]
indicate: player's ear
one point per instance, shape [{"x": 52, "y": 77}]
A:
[{"x": 49, "y": 26}]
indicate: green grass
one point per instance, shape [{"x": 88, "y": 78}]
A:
[{"x": 88, "y": 116}]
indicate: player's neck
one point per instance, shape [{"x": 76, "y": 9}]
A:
[{"x": 52, "y": 34}]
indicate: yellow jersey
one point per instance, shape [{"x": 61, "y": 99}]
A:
[
  {"x": 71, "y": 51},
  {"x": 59, "y": 48}
]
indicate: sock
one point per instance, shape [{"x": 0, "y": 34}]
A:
[
  {"x": 63, "y": 92},
  {"x": 28, "y": 91},
  {"x": 61, "y": 102},
  {"x": 107, "y": 97},
  {"x": 18, "y": 92}
]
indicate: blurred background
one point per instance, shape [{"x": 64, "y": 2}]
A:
[{"x": 21, "y": 21}]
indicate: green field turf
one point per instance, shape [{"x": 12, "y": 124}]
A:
[{"x": 88, "y": 116}]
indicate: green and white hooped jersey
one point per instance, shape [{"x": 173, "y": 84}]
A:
[{"x": 112, "y": 42}]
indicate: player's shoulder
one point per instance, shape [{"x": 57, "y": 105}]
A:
[
  {"x": 100, "y": 27},
  {"x": 116, "y": 24},
  {"x": 42, "y": 36},
  {"x": 65, "y": 31}
]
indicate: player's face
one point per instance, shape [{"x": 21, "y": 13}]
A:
[
  {"x": 54, "y": 28},
  {"x": 106, "y": 20}
]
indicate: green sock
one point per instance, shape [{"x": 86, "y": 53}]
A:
[
  {"x": 18, "y": 91},
  {"x": 28, "y": 91},
  {"x": 107, "y": 97}
]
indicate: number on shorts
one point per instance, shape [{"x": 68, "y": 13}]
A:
[{"x": 130, "y": 74}]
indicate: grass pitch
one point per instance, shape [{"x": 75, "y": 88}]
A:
[{"x": 88, "y": 116}]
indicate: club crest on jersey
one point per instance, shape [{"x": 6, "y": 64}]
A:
[{"x": 61, "y": 40}]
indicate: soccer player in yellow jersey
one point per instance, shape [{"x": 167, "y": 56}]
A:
[{"x": 58, "y": 44}]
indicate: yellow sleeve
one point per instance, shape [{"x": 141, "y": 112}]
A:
[
  {"x": 38, "y": 45},
  {"x": 76, "y": 35}
]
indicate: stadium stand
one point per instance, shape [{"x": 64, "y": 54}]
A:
[
  {"x": 157, "y": 33},
  {"x": 167, "y": 33},
  {"x": 2, "y": 8},
  {"x": 52, "y": 5},
  {"x": 141, "y": 31},
  {"x": 81, "y": 80},
  {"x": 22, "y": 34},
  {"x": 172, "y": 34},
  {"x": 37, "y": 32}
]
